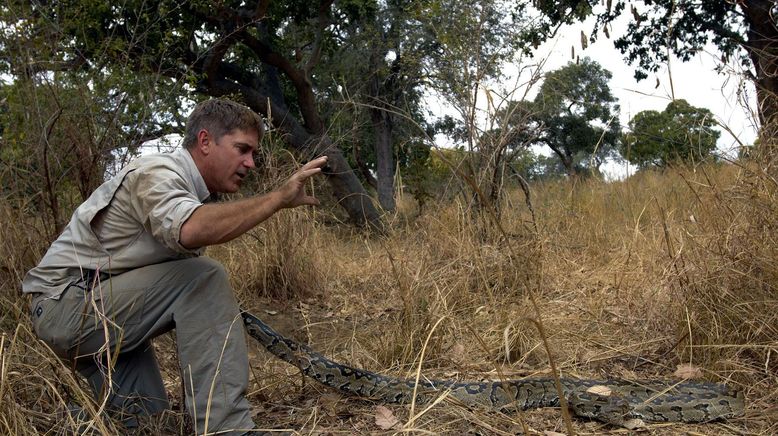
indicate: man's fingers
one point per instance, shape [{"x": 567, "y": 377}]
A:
[
  {"x": 303, "y": 175},
  {"x": 311, "y": 168},
  {"x": 310, "y": 201},
  {"x": 294, "y": 188},
  {"x": 316, "y": 163}
]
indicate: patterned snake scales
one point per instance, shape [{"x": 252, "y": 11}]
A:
[{"x": 624, "y": 403}]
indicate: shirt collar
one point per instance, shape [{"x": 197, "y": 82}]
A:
[{"x": 201, "y": 190}]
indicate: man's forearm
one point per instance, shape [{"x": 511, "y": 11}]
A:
[
  {"x": 218, "y": 223},
  {"x": 221, "y": 222}
]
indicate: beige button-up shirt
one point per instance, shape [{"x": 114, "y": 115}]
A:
[{"x": 130, "y": 221}]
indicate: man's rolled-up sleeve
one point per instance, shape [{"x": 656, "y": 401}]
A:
[{"x": 164, "y": 203}]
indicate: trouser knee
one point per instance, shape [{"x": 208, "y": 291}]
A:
[
  {"x": 211, "y": 272},
  {"x": 211, "y": 290}
]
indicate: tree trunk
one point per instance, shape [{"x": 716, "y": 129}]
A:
[
  {"x": 566, "y": 159},
  {"x": 382, "y": 126},
  {"x": 762, "y": 47},
  {"x": 348, "y": 191},
  {"x": 384, "y": 158},
  {"x": 362, "y": 166},
  {"x": 496, "y": 182}
]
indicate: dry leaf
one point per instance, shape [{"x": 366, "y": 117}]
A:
[
  {"x": 458, "y": 353},
  {"x": 330, "y": 403},
  {"x": 632, "y": 424},
  {"x": 552, "y": 433},
  {"x": 385, "y": 419},
  {"x": 603, "y": 391},
  {"x": 687, "y": 371}
]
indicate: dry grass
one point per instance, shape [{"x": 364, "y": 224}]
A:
[{"x": 631, "y": 278}]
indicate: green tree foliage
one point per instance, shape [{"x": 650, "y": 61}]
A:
[
  {"x": 64, "y": 125},
  {"x": 374, "y": 82},
  {"x": 264, "y": 54},
  {"x": 576, "y": 115},
  {"x": 681, "y": 133},
  {"x": 470, "y": 44},
  {"x": 745, "y": 29},
  {"x": 59, "y": 138}
]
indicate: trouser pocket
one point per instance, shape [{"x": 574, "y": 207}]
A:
[{"x": 56, "y": 322}]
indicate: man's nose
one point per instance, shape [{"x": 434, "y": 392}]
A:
[{"x": 249, "y": 162}]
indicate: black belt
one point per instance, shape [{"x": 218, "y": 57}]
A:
[{"x": 89, "y": 278}]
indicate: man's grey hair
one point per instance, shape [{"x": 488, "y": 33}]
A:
[{"x": 220, "y": 117}]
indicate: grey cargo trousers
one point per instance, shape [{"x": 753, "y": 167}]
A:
[{"x": 107, "y": 332}]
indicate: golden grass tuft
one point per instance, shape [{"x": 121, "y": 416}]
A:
[{"x": 631, "y": 278}]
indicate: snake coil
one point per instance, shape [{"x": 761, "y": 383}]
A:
[{"x": 614, "y": 401}]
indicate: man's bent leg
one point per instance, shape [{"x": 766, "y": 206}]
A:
[
  {"x": 195, "y": 297},
  {"x": 136, "y": 383},
  {"x": 212, "y": 350},
  {"x": 76, "y": 329}
]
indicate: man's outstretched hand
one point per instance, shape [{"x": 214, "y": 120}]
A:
[{"x": 293, "y": 191}]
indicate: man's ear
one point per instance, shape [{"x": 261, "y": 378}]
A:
[{"x": 204, "y": 141}]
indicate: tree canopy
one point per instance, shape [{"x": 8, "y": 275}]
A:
[
  {"x": 681, "y": 133},
  {"x": 264, "y": 55},
  {"x": 289, "y": 61},
  {"x": 344, "y": 78},
  {"x": 575, "y": 115}
]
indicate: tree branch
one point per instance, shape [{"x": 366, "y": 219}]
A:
[
  {"x": 301, "y": 83},
  {"x": 323, "y": 21},
  {"x": 269, "y": 56},
  {"x": 215, "y": 55},
  {"x": 261, "y": 10},
  {"x": 35, "y": 67}
]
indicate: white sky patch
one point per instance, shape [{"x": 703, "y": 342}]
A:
[
  {"x": 164, "y": 144},
  {"x": 391, "y": 55}
]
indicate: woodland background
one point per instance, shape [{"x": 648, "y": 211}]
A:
[{"x": 473, "y": 254}]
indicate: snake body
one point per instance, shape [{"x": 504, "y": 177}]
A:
[{"x": 614, "y": 401}]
